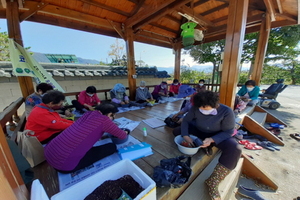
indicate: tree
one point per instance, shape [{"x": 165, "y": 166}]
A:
[
  {"x": 117, "y": 53},
  {"x": 191, "y": 76},
  {"x": 4, "y": 47},
  {"x": 281, "y": 47}
]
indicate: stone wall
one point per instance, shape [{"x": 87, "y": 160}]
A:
[{"x": 10, "y": 89}]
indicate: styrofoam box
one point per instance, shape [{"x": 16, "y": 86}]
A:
[{"x": 124, "y": 167}]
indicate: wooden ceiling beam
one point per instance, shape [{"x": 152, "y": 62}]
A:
[
  {"x": 137, "y": 7},
  {"x": 78, "y": 16},
  {"x": 286, "y": 16},
  {"x": 174, "y": 19},
  {"x": 142, "y": 39},
  {"x": 156, "y": 37},
  {"x": 146, "y": 12},
  {"x": 200, "y": 19},
  {"x": 279, "y": 6},
  {"x": 198, "y": 3},
  {"x": 164, "y": 28},
  {"x": 225, "y": 5},
  {"x": 105, "y": 7},
  {"x": 33, "y": 7},
  {"x": 119, "y": 30},
  {"x": 67, "y": 23},
  {"x": 270, "y": 9},
  {"x": 160, "y": 13}
]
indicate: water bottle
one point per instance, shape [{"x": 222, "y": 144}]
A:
[{"x": 145, "y": 131}]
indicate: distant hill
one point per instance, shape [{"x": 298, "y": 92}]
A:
[
  {"x": 170, "y": 70},
  {"x": 88, "y": 61}
]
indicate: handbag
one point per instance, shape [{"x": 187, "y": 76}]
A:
[
  {"x": 173, "y": 172},
  {"x": 30, "y": 147}
]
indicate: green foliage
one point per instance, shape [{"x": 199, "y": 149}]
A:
[
  {"x": 4, "y": 47},
  {"x": 243, "y": 77},
  {"x": 188, "y": 75}
]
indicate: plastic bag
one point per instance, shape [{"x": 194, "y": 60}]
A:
[
  {"x": 173, "y": 172},
  {"x": 171, "y": 123}
]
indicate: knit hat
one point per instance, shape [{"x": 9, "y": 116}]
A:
[{"x": 142, "y": 83}]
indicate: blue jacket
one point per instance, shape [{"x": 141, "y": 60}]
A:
[{"x": 253, "y": 94}]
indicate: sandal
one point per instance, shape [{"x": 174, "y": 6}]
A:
[
  {"x": 295, "y": 136},
  {"x": 244, "y": 142},
  {"x": 252, "y": 146},
  {"x": 268, "y": 145}
]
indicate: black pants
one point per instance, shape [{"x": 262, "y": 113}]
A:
[
  {"x": 93, "y": 155},
  {"x": 50, "y": 138},
  {"x": 77, "y": 105},
  {"x": 231, "y": 150}
]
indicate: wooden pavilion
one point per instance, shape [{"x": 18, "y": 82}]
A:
[{"x": 156, "y": 22}]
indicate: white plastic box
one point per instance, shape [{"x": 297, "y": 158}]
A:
[{"x": 124, "y": 167}]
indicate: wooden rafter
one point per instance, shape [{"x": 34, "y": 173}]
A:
[
  {"x": 279, "y": 6},
  {"x": 137, "y": 7},
  {"x": 78, "y": 16},
  {"x": 286, "y": 16},
  {"x": 103, "y": 6},
  {"x": 117, "y": 29},
  {"x": 146, "y": 12},
  {"x": 200, "y": 2},
  {"x": 154, "y": 36},
  {"x": 163, "y": 28},
  {"x": 200, "y": 19},
  {"x": 270, "y": 9},
  {"x": 174, "y": 19},
  {"x": 160, "y": 13},
  {"x": 33, "y": 8},
  {"x": 225, "y": 5}
]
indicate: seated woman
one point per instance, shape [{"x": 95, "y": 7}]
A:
[
  {"x": 214, "y": 124},
  {"x": 87, "y": 99},
  {"x": 143, "y": 96},
  {"x": 118, "y": 95},
  {"x": 249, "y": 93},
  {"x": 186, "y": 92},
  {"x": 73, "y": 149},
  {"x": 174, "y": 87},
  {"x": 36, "y": 97},
  {"x": 44, "y": 121},
  {"x": 201, "y": 87},
  {"x": 160, "y": 91}
]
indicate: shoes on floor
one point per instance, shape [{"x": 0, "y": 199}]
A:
[
  {"x": 250, "y": 193},
  {"x": 268, "y": 145},
  {"x": 296, "y": 136}
]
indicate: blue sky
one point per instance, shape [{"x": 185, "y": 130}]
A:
[{"x": 51, "y": 39}]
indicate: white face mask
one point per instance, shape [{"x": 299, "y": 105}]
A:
[
  {"x": 90, "y": 94},
  {"x": 163, "y": 86},
  {"x": 175, "y": 83},
  {"x": 42, "y": 94},
  {"x": 208, "y": 112},
  {"x": 188, "y": 98},
  {"x": 201, "y": 84},
  {"x": 250, "y": 89},
  {"x": 142, "y": 88}
]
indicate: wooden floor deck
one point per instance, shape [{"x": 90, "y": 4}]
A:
[{"x": 162, "y": 141}]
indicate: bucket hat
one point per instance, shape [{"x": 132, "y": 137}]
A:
[{"x": 185, "y": 90}]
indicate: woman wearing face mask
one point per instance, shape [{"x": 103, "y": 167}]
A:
[
  {"x": 87, "y": 99},
  {"x": 73, "y": 149},
  {"x": 143, "y": 96},
  {"x": 201, "y": 87},
  {"x": 118, "y": 95},
  {"x": 174, "y": 88},
  {"x": 249, "y": 93},
  {"x": 160, "y": 91},
  {"x": 44, "y": 121},
  {"x": 214, "y": 124},
  {"x": 186, "y": 92}
]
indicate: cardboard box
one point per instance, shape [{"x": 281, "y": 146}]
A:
[{"x": 125, "y": 167}]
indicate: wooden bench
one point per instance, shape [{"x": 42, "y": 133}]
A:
[{"x": 259, "y": 117}]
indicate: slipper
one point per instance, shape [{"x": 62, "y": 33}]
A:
[
  {"x": 252, "y": 146},
  {"x": 266, "y": 145},
  {"x": 295, "y": 136},
  {"x": 244, "y": 142}
]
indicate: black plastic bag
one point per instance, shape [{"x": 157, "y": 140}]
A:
[
  {"x": 171, "y": 123},
  {"x": 173, "y": 172}
]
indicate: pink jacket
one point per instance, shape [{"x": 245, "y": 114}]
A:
[{"x": 83, "y": 98}]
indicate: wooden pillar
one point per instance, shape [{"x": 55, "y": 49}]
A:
[
  {"x": 264, "y": 34},
  {"x": 130, "y": 62},
  {"x": 177, "y": 50},
  {"x": 235, "y": 33},
  {"x": 14, "y": 32}
]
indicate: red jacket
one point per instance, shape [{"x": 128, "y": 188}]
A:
[
  {"x": 175, "y": 88},
  {"x": 83, "y": 98},
  {"x": 45, "y": 122}
]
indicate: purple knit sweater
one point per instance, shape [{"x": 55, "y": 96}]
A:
[{"x": 66, "y": 150}]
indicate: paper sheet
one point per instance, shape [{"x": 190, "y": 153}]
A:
[{"x": 154, "y": 123}]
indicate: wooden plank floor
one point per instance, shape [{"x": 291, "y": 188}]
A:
[{"x": 162, "y": 141}]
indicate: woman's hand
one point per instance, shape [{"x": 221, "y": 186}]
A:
[
  {"x": 174, "y": 116},
  {"x": 207, "y": 142},
  {"x": 68, "y": 113},
  {"x": 189, "y": 140}
]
